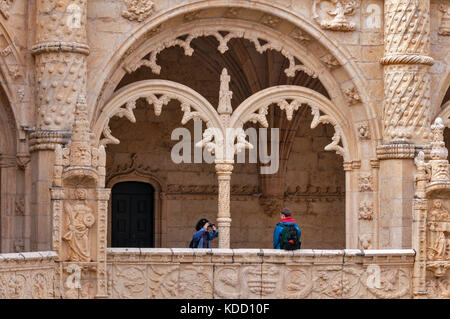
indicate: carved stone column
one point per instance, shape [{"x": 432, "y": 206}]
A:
[
  {"x": 61, "y": 72},
  {"x": 406, "y": 113},
  {"x": 223, "y": 171},
  {"x": 60, "y": 54}
]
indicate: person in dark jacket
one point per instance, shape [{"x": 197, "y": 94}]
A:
[
  {"x": 285, "y": 220},
  {"x": 203, "y": 236}
]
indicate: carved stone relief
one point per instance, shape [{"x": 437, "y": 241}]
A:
[
  {"x": 363, "y": 131},
  {"x": 138, "y": 10},
  {"x": 366, "y": 210},
  {"x": 366, "y": 183},
  {"x": 184, "y": 40},
  {"x": 340, "y": 10},
  {"x": 444, "y": 28}
]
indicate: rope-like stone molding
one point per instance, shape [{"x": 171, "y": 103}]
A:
[
  {"x": 407, "y": 59},
  {"x": 396, "y": 151},
  {"x": 60, "y": 46}
]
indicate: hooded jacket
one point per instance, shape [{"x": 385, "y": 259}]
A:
[
  {"x": 279, "y": 228},
  {"x": 198, "y": 237}
]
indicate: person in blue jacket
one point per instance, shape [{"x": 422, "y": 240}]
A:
[
  {"x": 285, "y": 219},
  {"x": 203, "y": 236}
]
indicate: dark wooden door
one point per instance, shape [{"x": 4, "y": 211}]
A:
[{"x": 132, "y": 215}]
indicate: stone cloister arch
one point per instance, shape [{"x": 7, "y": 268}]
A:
[
  {"x": 224, "y": 135},
  {"x": 331, "y": 64},
  {"x": 152, "y": 37}
]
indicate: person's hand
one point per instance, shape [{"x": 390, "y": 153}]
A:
[
  {"x": 214, "y": 228},
  {"x": 206, "y": 226}
]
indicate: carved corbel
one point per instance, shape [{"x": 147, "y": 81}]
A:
[{"x": 343, "y": 9}]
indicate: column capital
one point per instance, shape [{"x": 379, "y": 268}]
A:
[{"x": 47, "y": 139}]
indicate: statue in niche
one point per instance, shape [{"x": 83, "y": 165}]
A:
[
  {"x": 439, "y": 213},
  {"x": 79, "y": 220},
  {"x": 439, "y": 243}
]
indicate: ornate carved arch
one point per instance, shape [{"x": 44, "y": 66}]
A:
[
  {"x": 114, "y": 68},
  {"x": 8, "y": 128},
  {"x": 289, "y": 98},
  {"x": 157, "y": 93},
  {"x": 12, "y": 72}
]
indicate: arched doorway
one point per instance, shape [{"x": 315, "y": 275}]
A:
[{"x": 132, "y": 215}]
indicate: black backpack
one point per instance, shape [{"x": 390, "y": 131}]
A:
[
  {"x": 289, "y": 237},
  {"x": 193, "y": 244}
]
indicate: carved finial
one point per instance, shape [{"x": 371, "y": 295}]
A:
[
  {"x": 80, "y": 148},
  {"x": 225, "y": 94},
  {"x": 438, "y": 149}
]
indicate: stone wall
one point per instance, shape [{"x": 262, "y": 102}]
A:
[{"x": 259, "y": 273}]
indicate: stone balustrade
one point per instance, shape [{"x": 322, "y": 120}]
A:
[
  {"x": 27, "y": 275},
  {"x": 259, "y": 273}
]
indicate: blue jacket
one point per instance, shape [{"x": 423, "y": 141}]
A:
[
  {"x": 278, "y": 229},
  {"x": 198, "y": 236}
]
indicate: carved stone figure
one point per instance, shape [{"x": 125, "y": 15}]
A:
[
  {"x": 342, "y": 10},
  {"x": 79, "y": 220}
]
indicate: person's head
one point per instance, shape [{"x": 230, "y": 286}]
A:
[
  {"x": 285, "y": 212},
  {"x": 201, "y": 223}
]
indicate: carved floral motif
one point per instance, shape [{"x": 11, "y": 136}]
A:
[
  {"x": 366, "y": 210},
  {"x": 223, "y": 37},
  {"x": 138, "y": 10}
]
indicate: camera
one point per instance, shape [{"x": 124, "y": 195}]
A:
[{"x": 211, "y": 225}]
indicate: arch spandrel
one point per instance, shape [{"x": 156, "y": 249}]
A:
[{"x": 115, "y": 72}]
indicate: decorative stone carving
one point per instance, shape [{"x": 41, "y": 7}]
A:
[
  {"x": 191, "y": 16},
  {"x": 223, "y": 36},
  {"x": 330, "y": 61},
  {"x": 352, "y": 95},
  {"x": 336, "y": 145},
  {"x": 342, "y": 10},
  {"x": 79, "y": 204},
  {"x": 422, "y": 174},
  {"x": 300, "y": 36},
  {"x": 366, "y": 183},
  {"x": 439, "y": 153},
  {"x": 271, "y": 21},
  {"x": 61, "y": 67},
  {"x": 439, "y": 226},
  {"x": 5, "y": 6},
  {"x": 363, "y": 131},
  {"x": 138, "y": 10},
  {"x": 19, "y": 206},
  {"x": 365, "y": 241},
  {"x": 366, "y": 210},
  {"x": 444, "y": 28},
  {"x": 272, "y": 205}
]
